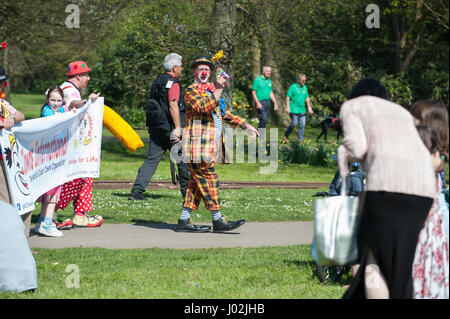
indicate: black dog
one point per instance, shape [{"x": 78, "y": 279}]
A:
[{"x": 329, "y": 122}]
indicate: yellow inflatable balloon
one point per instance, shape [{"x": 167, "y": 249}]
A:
[{"x": 121, "y": 129}]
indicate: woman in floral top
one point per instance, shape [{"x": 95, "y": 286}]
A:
[{"x": 430, "y": 267}]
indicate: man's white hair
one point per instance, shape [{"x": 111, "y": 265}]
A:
[
  {"x": 171, "y": 60},
  {"x": 301, "y": 76}
]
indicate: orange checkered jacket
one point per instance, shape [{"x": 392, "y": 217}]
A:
[{"x": 199, "y": 133}]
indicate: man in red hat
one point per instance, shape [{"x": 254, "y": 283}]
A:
[
  {"x": 77, "y": 78},
  {"x": 79, "y": 190}
]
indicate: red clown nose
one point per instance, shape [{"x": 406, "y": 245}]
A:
[{"x": 204, "y": 73}]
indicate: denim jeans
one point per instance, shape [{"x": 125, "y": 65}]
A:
[
  {"x": 297, "y": 119},
  {"x": 264, "y": 113}
]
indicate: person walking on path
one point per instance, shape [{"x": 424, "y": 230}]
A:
[
  {"x": 79, "y": 190},
  {"x": 398, "y": 193},
  {"x": 166, "y": 129},
  {"x": 297, "y": 98},
  {"x": 262, "y": 94},
  {"x": 203, "y": 143}
]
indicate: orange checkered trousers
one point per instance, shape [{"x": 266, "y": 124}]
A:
[{"x": 204, "y": 184}]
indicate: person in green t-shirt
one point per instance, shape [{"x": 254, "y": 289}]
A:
[
  {"x": 262, "y": 94},
  {"x": 297, "y": 98}
]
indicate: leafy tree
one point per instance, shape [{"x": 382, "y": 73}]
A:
[
  {"x": 126, "y": 41},
  {"x": 130, "y": 61},
  {"x": 41, "y": 45}
]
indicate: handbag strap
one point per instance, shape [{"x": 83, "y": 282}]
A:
[{"x": 344, "y": 186}]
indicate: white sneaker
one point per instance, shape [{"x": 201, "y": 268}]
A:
[
  {"x": 38, "y": 225},
  {"x": 49, "y": 230}
]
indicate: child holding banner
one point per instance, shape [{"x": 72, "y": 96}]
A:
[{"x": 45, "y": 226}]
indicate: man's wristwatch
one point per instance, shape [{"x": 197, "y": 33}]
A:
[{"x": 13, "y": 117}]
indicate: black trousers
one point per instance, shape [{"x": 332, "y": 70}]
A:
[
  {"x": 159, "y": 144},
  {"x": 389, "y": 227}
]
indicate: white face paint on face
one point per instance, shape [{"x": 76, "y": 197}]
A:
[{"x": 202, "y": 73}]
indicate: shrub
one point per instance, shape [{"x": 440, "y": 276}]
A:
[
  {"x": 306, "y": 152},
  {"x": 399, "y": 89},
  {"x": 135, "y": 116}
]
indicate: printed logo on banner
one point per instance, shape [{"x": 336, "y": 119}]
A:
[{"x": 84, "y": 135}]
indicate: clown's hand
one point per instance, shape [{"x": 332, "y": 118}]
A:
[
  {"x": 221, "y": 82},
  {"x": 76, "y": 104},
  {"x": 251, "y": 131},
  {"x": 93, "y": 96}
]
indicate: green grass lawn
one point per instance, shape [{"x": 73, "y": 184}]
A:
[
  {"x": 118, "y": 163},
  {"x": 224, "y": 273},
  {"x": 164, "y": 205},
  {"x": 247, "y": 273},
  {"x": 29, "y": 104}
]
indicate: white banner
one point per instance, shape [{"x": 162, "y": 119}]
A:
[{"x": 46, "y": 152}]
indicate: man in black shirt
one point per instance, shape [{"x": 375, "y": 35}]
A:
[{"x": 167, "y": 117}]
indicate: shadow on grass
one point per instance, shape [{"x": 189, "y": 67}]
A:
[
  {"x": 346, "y": 278},
  {"x": 147, "y": 196}
]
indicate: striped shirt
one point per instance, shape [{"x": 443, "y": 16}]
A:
[{"x": 217, "y": 121}]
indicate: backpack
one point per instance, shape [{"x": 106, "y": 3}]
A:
[{"x": 158, "y": 115}]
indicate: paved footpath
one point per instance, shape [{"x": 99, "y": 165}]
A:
[{"x": 163, "y": 235}]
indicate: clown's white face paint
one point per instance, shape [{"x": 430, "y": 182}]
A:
[{"x": 202, "y": 73}]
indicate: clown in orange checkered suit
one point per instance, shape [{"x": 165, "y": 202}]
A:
[{"x": 203, "y": 145}]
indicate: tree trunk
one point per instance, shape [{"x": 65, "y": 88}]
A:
[
  {"x": 406, "y": 40},
  {"x": 223, "y": 39},
  {"x": 280, "y": 117},
  {"x": 255, "y": 53},
  {"x": 6, "y": 67}
]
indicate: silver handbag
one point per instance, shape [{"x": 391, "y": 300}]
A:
[{"x": 335, "y": 226}]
